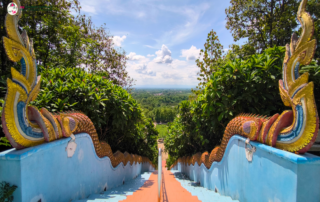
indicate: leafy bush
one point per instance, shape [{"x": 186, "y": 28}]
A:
[
  {"x": 239, "y": 86},
  {"x": 4, "y": 142},
  {"x": 6, "y": 192},
  {"x": 314, "y": 75},
  {"x": 115, "y": 114},
  {"x": 162, "y": 129}
]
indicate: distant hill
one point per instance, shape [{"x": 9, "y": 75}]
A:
[{"x": 161, "y": 105}]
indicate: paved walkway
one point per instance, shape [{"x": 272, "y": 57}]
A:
[
  {"x": 173, "y": 191},
  {"x": 176, "y": 187},
  {"x": 148, "y": 192},
  {"x": 121, "y": 192},
  {"x": 203, "y": 194}
]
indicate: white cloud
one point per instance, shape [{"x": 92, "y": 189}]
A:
[
  {"x": 142, "y": 69},
  {"x": 190, "y": 54},
  {"x": 167, "y": 22},
  {"x": 163, "y": 55},
  {"x": 178, "y": 64},
  {"x": 134, "y": 56},
  {"x": 150, "y": 46},
  {"x": 151, "y": 73},
  {"x": 193, "y": 75},
  {"x": 117, "y": 40},
  {"x": 188, "y": 24},
  {"x": 177, "y": 73},
  {"x": 141, "y": 14},
  {"x": 171, "y": 75},
  {"x": 190, "y": 27},
  {"x": 89, "y": 9}
]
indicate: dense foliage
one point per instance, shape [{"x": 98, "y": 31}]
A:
[
  {"x": 313, "y": 7},
  {"x": 6, "y": 192},
  {"x": 164, "y": 115},
  {"x": 314, "y": 75},
  {"x": 249, "y": 86},
  {"x": 243, "y": 80},
  {"x": 4, "y": 142},
  {"x": 116, "y": 115},
  {"x": 62, "y": 40},
  {"x": 162, "y": 129},
  {"x": 161, "y": 105},
  {"x": 266, "y": 23},
  {"x": 209, "y": 61}
]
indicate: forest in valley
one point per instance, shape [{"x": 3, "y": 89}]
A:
[{"x": 160, "y": 105}]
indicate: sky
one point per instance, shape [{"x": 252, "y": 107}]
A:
[{"x": 162, "y": 38}]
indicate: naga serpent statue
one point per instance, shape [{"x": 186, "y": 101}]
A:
[
  {"x": 26, "y": 126},
  {"x": 294, "y": 130}
]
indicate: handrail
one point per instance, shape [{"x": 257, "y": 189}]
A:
[{"x": 159, "y": 173}]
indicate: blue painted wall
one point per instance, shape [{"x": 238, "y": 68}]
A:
[
  {"x": 45, "y": 172},
  {"x": 273, "y": 175}
]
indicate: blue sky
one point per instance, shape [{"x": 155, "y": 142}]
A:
[{"x": 161, "y": 38}]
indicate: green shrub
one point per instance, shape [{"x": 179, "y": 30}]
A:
[
  {"x": 115, "y": 114},
  {"x": 314, "y": 75},
  {"x": 249, "y": 86},
  {"x": 162, "y": 129},
  {"x": 4, "y": 142},
  {"x": 6, "y": 192}
]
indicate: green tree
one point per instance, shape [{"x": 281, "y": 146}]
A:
[
  {"x": 5, "y": 64},
  {"x": 313, "y": 8},
  {"x": 249, "y": 86},
  {"x": 53, "y": 30},
  {"x": 209, "y": 60},
  {"x": 61, "y": 39},
  {"x": 264, "y": 23},
  {"x": 158, "y": 116},
  {"x": 242, "y": 52},
  {"x": 116, "y": 116}
]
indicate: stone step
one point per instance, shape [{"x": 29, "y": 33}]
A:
[{"x": 203, "y": 194}]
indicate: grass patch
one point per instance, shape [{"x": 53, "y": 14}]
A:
[{"x": 162, "y": 129}]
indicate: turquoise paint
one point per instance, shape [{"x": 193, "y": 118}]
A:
[
  {"x": 119, "y": 193},
  {"x": 273, "y": 174},
  {"x": 296, "y": 129},
  {"x": 203, "y": 194},
  {"x": 45, "y": 172},
  {"x": 296, "y": 71},
  {"x": 23, "y": 68},
  {"x": 21, "y": 109}
]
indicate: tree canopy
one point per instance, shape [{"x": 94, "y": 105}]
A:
[
  {"x": 238, "y": 86},
  {"x": 62, "y": 37},
  {"x": 267, "y": 23},
  {"x": 209, "y": 59}
]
